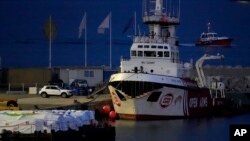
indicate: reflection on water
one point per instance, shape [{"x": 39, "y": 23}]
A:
[{"x": 202, "y": 129}]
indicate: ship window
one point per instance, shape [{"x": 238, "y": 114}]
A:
[
  {"x": 159, "y": 54},
  {"x": 166, "y": 53},
  {"x": 154, "y": 97},
  {"x": 165, "y": 47},
  {"x": 133, "y": 53},
  {"x": 146, "y": 46},
  {"x": 120, "y": 96},
  {"x": 153, "y": 46},
  {"x": 160, "y": 47},
  {"x": 210, "y": 35},
  {"x": 204, "y": 36},
  {"x": 140, "y": 53},
  {"x": 140, "y": 46},
  {"x": 149, "y": 54}
]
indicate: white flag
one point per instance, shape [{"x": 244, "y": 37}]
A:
[
  {"x": 104, "y": 25},
  {"x": 82, "y": 25}
]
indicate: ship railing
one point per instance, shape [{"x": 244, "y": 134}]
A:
[
  {"x": 125, "y": 59},
  {"x": 24, "y": 88},
  {"x": 151, "y": 39},
  {"x": 177, "y": 61},
  {"x": 217, "y": 89},
  {"x": 161, "y": 19}
]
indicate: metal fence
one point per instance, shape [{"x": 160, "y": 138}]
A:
[{"x": 22, "y": 88}]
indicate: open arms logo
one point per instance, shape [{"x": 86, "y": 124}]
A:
[{"x": 166, "y": 100}]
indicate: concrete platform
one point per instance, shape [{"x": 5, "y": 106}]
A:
[{"x": 31, "y": 102}]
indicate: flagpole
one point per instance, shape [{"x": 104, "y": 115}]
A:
[
  {"x": 135, "y": 23},
  {"x": 50, "y": 36},
  {"x": 110, "y": 45},
  {"x": 0, "y": 62},
  {"x": 179, "y": 9},
  {"x": 85, "y": 38},
  {"x": 106, "y": 23}
]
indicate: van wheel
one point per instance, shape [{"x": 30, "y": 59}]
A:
[
  {"x": 44, "y": 95},
  {"x": 64, "y": 95},
  {"x": 12, "y": 103}
]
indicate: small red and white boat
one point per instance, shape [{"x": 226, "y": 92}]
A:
[{"x": 212, "y": 39}]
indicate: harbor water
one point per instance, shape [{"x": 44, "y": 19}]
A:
[{"x": 198, "y": 129}]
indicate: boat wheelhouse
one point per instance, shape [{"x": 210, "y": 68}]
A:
[{"x": 147, "y": 55}]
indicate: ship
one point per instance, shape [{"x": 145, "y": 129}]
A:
[
  {"x": 212, "y": 39},
  {"x": 152, "y": 84}
]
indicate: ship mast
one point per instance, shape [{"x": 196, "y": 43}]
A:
[
  {"x": 161, "y": 25},
  {"x": 158, "y": 12}
]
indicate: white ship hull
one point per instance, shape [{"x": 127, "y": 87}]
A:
[{"x": 148, "y": 96}]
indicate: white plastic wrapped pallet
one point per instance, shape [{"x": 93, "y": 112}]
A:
[{"x": 57, "y": 120}]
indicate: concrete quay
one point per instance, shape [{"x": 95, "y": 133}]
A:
[{"x": 32, "y": 102}]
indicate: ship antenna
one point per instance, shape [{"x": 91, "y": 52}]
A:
[
  {"x": 170, "y": 8},
  {"x": 179, "y": 12},
  {"x": 144, "y": 8},
  {"x": 208, "y": 27},
  {"x": 135, "y": 23},
  {"x": 139, "y": 30},
  {"x": 167, "y": 7}
]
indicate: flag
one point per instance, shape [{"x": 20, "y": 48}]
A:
[
  {"x": 129, "y": 24},
  {"x": 82, "y": 25},
  {"x": 104, "y": 25}
]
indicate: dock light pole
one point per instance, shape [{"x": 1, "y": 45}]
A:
[
  {"x": 0, "y": 62},
  {"x": 50, "y": 35},
  {"x": 50, "y": 31}
]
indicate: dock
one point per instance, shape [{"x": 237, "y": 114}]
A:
[{"x": 36, "y": 102}]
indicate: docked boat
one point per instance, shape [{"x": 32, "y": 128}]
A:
[
  {"x": 152, "y": 83},
  {"x": 212, "y": 39}
]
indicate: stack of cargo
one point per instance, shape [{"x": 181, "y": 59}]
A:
[{"x": 56, "y": 123}]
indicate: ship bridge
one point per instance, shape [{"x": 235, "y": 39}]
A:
[
  {"x": 151, "y": 48},
  {"x": 153, "y": 57}
]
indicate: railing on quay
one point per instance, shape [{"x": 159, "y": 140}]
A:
[{"x": 23, "y": 88}]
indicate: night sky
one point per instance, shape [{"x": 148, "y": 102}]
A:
[{"x": 23, "y": 44}]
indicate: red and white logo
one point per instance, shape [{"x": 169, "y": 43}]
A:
[{"x": 166, "y": 100}]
